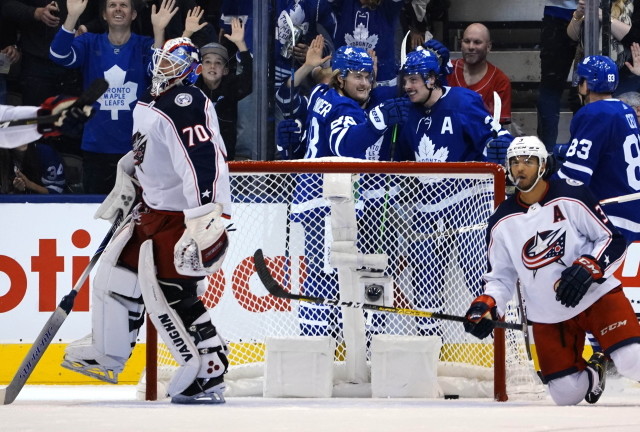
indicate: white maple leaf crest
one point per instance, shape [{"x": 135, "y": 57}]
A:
[
  {"x": 298, "y": 18},
  {"x": 427, "y": 151},
  {"x": 361, "y": 38},
  {"x": 120, "y": 95}
]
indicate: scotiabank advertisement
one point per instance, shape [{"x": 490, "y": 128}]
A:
[{"x": 45, "y": 247}]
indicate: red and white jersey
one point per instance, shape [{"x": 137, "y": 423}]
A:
[
  {"x": 16, "y": 136},
  {"x": 536, "y": 243},
  {"x": 178, "y": 150}
]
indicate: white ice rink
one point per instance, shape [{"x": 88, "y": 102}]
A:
[{"x": 115, "y": 409}]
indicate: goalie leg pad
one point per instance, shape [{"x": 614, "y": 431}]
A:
[
  {"x": 185, "y": 326},
  {"x": 627, "y": 360},
  {"x": 117, "y": 314},
  {"x": 569, "y": 389}
]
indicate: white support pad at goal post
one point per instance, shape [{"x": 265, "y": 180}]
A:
[{"x": 428, "y": 218}]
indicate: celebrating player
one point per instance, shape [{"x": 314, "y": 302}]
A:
[
  {"x": 70, "y": 121},
  {"x": 604, "y": 149},
  {"x": 445, "y": 124},
  {"x": 175, "y": 237},
  {"x": 555, "y": 238}
]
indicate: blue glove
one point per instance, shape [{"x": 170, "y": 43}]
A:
[
  {"x": 560, "y": 151},
  {"x": 497, "y": 149},
  {"x": 290, "y": 139},
  {"x": 443, "y": 55},
  {"x": 476, "y": 324},
  {"x": 389, "y": 113}
]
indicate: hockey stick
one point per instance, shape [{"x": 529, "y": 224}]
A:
[
  {"x": 621, "y": 199},
  {"x": 88, "y": 97},
  {"x": 277, "y": 290},
  {"x": 8, "y": 394}
]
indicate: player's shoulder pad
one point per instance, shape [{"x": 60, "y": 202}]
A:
[
  {"x": 508, "y": 207},
  {"x": 569, "y": 188}
]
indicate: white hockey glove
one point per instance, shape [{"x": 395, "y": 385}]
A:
[
  {"x": 202, "y": 248},
  {"x": 123, "y": 194}
]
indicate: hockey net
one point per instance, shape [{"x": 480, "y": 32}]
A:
[{"x": 430, "y": 221}]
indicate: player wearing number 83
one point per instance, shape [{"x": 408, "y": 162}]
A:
[
  {"x": 554, "y": 237},
  {"x": 604, "y": 149}
]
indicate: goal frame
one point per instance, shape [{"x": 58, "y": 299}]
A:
[{"x": 340, "y": 166}]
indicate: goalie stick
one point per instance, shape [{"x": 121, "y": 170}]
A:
[
  {"x": 277, "y": 290},
  {"x": 88, "y": 97},
  {"x": 8, "y": 394}
]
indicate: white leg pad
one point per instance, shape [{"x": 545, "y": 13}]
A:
[
  {"x": 570, "y": 389},
  {"x": 168, "y": 324},
  {"x": 627, "y": 361},
  {"x": 116, "y": 310}
]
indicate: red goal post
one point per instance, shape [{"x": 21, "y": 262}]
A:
[{"x": 430, "y": 220}]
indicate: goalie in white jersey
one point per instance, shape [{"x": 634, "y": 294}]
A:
[
  {"x": 555, "y": 238},
  {"x": 175, "y": 237}
]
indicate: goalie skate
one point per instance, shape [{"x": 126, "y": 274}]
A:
[
  {"x": 82, "y": 357},
  {"x": 202, "y": 391}
]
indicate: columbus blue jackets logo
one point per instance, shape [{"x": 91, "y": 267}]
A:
[
  {"x": 543, "y": 249},
  {"x": 139, "y": 147}
]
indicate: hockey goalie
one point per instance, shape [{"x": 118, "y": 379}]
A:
[{"x": 174, "y": 236}]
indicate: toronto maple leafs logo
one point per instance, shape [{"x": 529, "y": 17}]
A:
[
  {"x": 361, "y": 37},
  {"x": 120, "y": 95},
  {"x": 543, "y": 249},
  {"x": 427, "y": 151},
  {"x": 139, "y": 147},
  {"x": 299, "y": 20}
]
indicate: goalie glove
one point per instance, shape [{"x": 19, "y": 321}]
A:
[
  {"x": 123, "y": 194},
  {"x": 203, "y": 245},
  {"x": 72, "y": 118},
  {"x": 576, "y": 280},
  {"x": 476, "y": 323},
  {"x": 389, "y": 113}
]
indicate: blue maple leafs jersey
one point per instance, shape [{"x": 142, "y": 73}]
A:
[
  {"x": 455, "y": 129},
  {"x": 604, "y": 153}
]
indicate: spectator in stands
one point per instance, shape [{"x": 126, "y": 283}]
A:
[
  {"x": 223, "y": 88},
  {"x": 625, "y": 29},
  {"x": 371, "y": 25},
  {"x": 34, "y": 168},
  {"x": 9, "y": 53},
  {"x": 122, "y": 58},
  {"x": 474, "y": 72},
  {"x": 417, "y": 19},
  {"x": 557, "y": 51}
]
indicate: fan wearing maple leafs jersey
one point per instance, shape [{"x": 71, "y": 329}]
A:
[
  {"x": 555, "y": 239},
  {"x": 121, "y": 57}
]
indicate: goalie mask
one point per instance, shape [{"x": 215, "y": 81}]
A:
[
  {"x": 527, "y": 146},
  {"x": 176, "y": 63}
]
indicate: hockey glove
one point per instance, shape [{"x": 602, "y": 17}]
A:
[
  {"x": 123, "y": 194},
  {"x": 204, "y": 243},
  {"x": 446, "y": 67},
  {"x": 71, "y": 121},
  {"x": 290, "y": 143},
  {"x": 389, "y": 113},
  {"x": 560, "y": 151},
  {"x": 480, "y": 317},
  {"x": 497, "y": 149},
  {"x": 576, "y": 280}
]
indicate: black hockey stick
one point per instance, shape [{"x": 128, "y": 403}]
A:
[
  {"x": 88, "y": 97},
  {"x": 8, "y": 394},
  {"x": 277, "y": 290}
]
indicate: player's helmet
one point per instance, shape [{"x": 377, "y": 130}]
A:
[
  {"x": 176, "y": 63},
  {"x": 422, "y": 62},
  {"x": 600, "y": 73},
  {"x": 528, "y": 146},
  {"x": 348, "y": 58}
]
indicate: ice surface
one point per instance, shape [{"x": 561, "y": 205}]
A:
[{"x": 115, "y": 408}]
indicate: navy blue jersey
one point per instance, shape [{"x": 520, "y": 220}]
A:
[
  {"x": 604, "y": 153},
  {"x": 455, "y": 129}
]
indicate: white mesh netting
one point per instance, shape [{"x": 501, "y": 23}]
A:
[{"x": 432, "y": 227}]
